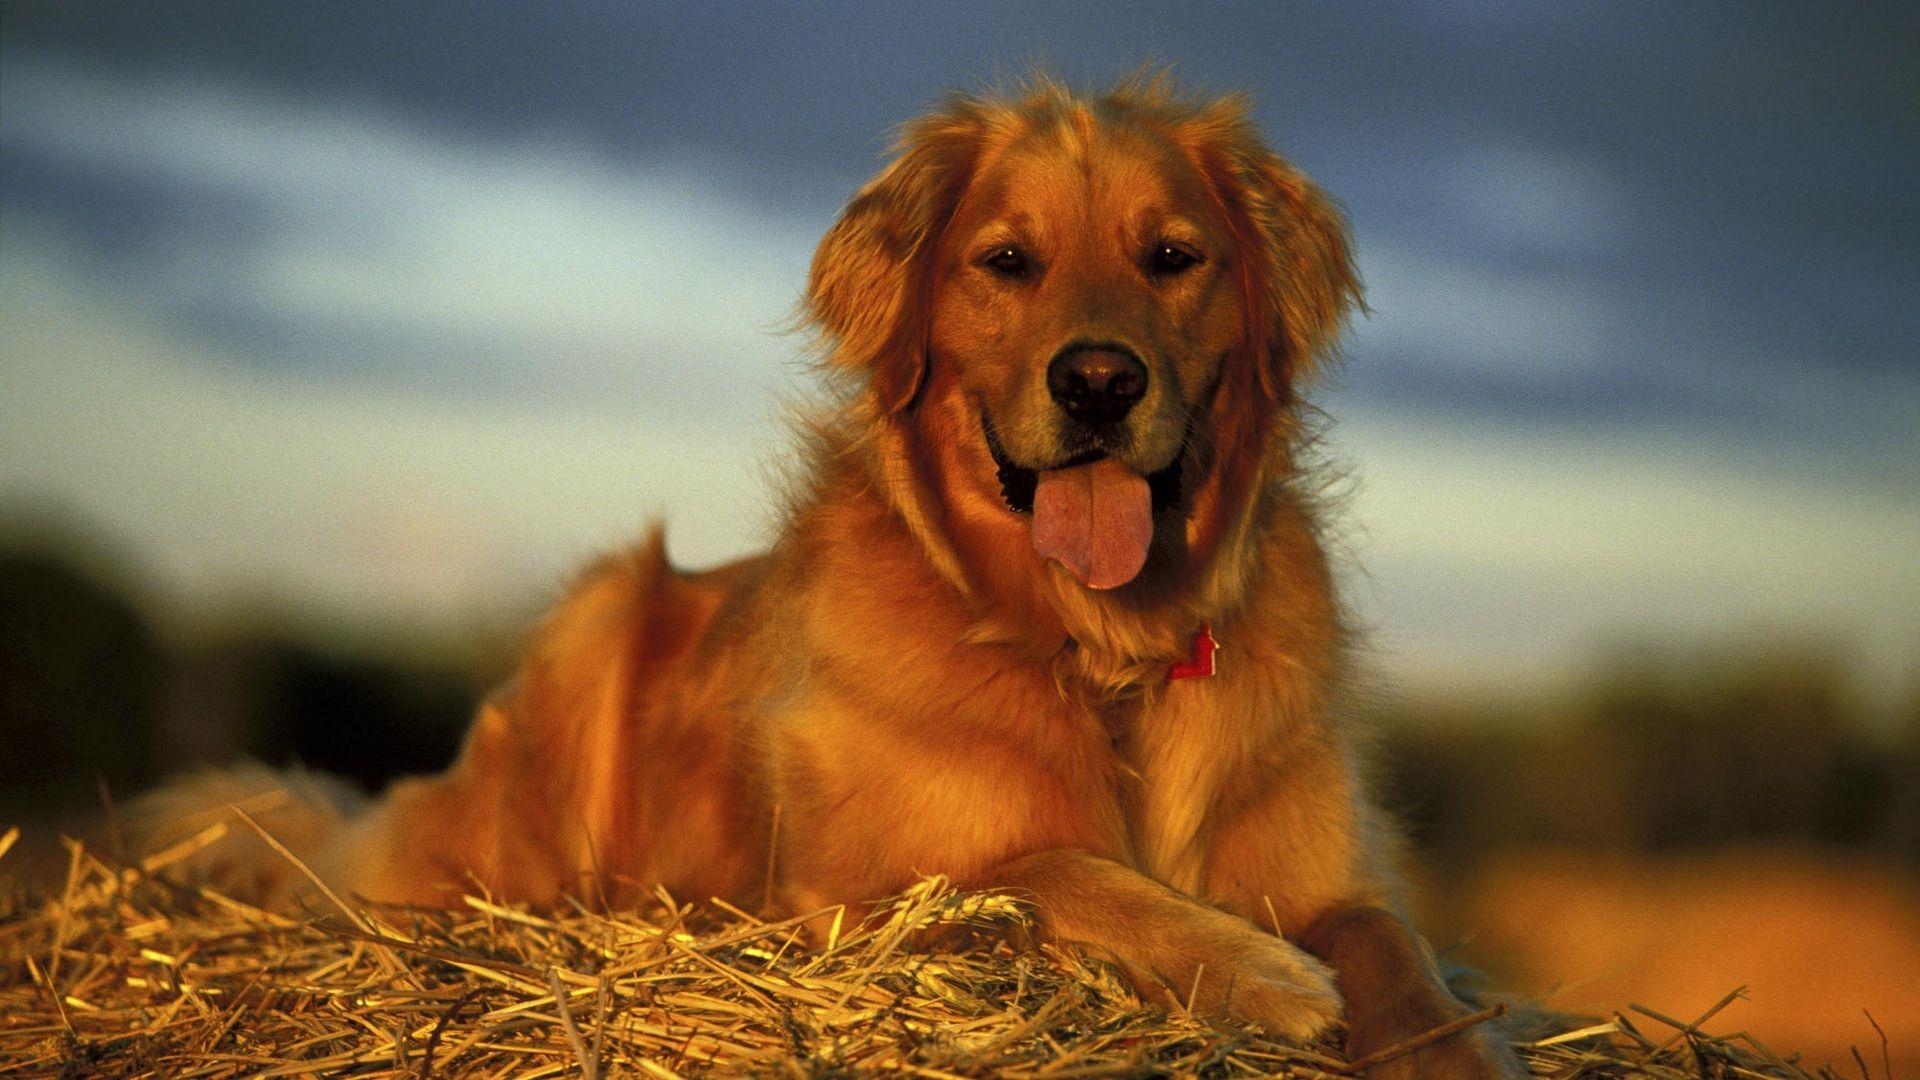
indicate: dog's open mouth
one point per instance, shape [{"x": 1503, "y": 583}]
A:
[{"x": 1091, "y": 513}]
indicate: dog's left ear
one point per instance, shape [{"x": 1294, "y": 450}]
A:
[
  {"x": 1299, "y": 273},
  {"x": 872, "y": 274}
]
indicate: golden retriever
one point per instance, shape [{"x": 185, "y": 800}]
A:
[{"x": 1048, "y": 612}]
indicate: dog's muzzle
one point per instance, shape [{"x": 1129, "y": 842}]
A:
[{"x": 1018, "y": 483}]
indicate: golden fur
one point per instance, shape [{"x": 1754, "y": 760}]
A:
[{"x": 901, "y": 686}]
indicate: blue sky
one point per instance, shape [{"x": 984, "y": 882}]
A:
[{"x": 398, "y": 311}]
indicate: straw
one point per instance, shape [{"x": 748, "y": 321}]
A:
[{"x": 117, "y": 972}]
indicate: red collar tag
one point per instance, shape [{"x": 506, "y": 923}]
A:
[{"x": 1200, "y": 664}]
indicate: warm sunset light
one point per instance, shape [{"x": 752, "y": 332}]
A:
[{"x": 332, "y": 342}]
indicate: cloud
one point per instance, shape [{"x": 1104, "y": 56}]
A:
[
  {"x": 340, "y": 499},
  {"x": 1516, "y": 286},
  {"x": 1527, "y": 198},
  {"x": 378, "y": 247},
  {"x": 1492, "y": 548},
  {"x": 1520, "y": 325}
]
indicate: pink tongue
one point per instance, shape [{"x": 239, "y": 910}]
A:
[{"x": 1096, "y": 520}]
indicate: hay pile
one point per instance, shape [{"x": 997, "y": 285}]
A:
[{"x": 121, "y": 974}]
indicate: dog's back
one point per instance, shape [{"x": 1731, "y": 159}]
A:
[{"x": 557, "y": 789}]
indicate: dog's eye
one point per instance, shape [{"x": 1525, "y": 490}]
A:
[
  {"x": 1008, "y": 261},
  {"x": 1169, "y": 258}
]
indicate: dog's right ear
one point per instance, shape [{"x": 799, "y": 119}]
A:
[{"x": 868, "y": 289}]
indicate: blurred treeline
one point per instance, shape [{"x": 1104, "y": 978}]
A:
[
  {"x": 1660, "y": 753},
  {"x": 1664, "y": 751},
  {"x": 97, "y": 704}
]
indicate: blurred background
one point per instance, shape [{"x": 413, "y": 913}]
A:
[{"x": 332, "y": 336}]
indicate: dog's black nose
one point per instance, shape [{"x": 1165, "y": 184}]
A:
[{"x": 1096, "y": 384}]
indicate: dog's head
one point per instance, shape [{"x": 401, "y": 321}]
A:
[{"x": 1090, "y": 310}]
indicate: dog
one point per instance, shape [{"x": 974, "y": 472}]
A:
[{"x": 1049, "y": 611}]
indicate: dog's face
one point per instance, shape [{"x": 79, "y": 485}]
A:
[
  {"x": 1094, "y": 306},
  {"x": 1085, "y": 298}
]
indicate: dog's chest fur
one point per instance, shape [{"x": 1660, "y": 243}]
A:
[{"x": 1163, "y": 780}]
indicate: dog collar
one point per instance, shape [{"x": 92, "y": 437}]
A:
[{"x": 1199, "y": 662}]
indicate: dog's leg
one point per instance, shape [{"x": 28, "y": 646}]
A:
[
  {"x": 1173, "y": 947},
  {"x": 1394, "y": 992}
]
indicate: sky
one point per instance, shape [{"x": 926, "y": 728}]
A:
[{"x": 398, "y": 312}]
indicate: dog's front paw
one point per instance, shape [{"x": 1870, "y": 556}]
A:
[
  {"x": 1262, "y": 979},
  {"x": 1284, "y": 990}
]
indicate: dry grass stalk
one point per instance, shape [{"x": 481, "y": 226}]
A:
[{"x": 124, "y": 974}]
